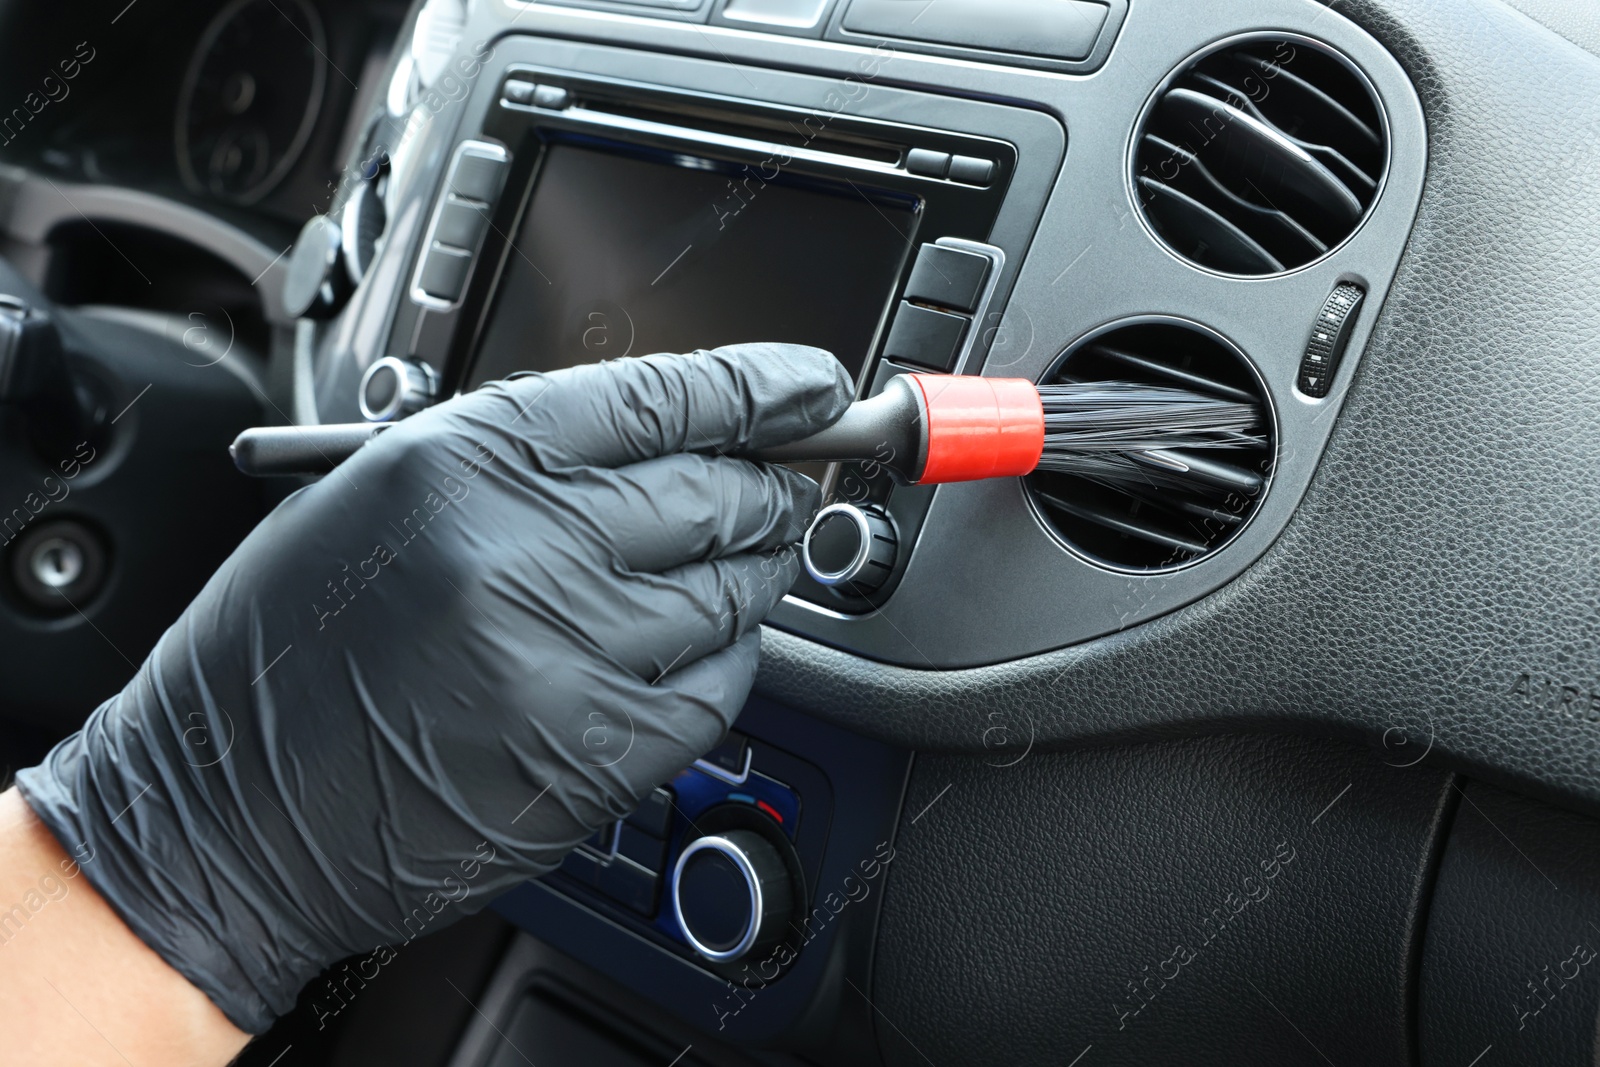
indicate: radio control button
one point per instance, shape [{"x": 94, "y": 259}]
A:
[
  {"x": 927, "y": 163},
  {"x": 478, "y": 177},
  {"x": 552, "y": 98},
  {"x": 461, "y": 223},
  {"x": 393, "y": 388},
  {"x": 850, "y": 547},
  {"x": 444, "y": 272},
  {"x": 948, "y": 278},
  {"x": 926, "y": 337},
  {"x": 972, "y": 170},
  {"x": 518, "y": 91}
]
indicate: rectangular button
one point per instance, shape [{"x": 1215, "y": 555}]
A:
[
  {"x": 552, "y": 97},
  {"x": 629, "y": 885},
  {"x": 926, "y": 337},
  {"x": 478, "y": 177},
  {"x": 928, "y": 163},
  {"x": 948, "y": 278},
  {"x": 581, "y": 866},
  {"x": 732, "y": 757},
  {"x": 518, "y": 91},
  {"x": 444, "y": 272},
  {"x": 654, "y": 813},
  {"x": 640, "y": 847},
  {"x": 971, "y": 170},
  {"x": 461, "y": 223},
  {"x": 1055, "y": 29}
]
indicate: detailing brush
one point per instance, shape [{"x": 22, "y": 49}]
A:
[{"x": 929, "y": 429}]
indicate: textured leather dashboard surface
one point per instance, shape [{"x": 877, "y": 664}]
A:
[
  {"x": 1440, "y": 585},
  {"x": 1220, "y": 901},
  {"x": 1513, "y": 945}
]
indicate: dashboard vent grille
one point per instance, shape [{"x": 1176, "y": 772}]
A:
[
  {"x": 1260, "y": 156},
  {"x": 1171, "y": 508}
]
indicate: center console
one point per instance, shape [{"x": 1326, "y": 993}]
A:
[
  {"x": 592, "y": 202},
  {"x": 597, "y": 179}
]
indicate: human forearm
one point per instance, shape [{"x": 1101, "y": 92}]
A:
[{"x": 76, "y": 986}]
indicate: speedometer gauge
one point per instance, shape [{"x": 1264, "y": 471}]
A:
[{"x": 250, "y": 98}]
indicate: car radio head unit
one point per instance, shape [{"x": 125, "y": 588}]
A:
[
  {"x": 625, "y": 251},
  {"x": 592, "y": 219}
]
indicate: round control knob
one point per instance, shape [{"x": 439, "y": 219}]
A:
[
  {"x": 732, "y": 895},
  {"x": 850, "y": 546},
  {"x": 318, "y": 283},
  {"x": 393, "y": 388}
]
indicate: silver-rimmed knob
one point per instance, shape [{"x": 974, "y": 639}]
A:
[
  {"x": 850, "y": 546},
  {"x": 393, "y": 388},
  {"x": 732, "y": 895}
]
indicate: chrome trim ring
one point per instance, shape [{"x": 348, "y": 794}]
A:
[
  {"x": 852, "y": 570},
  {"x": 746, "y": 868},
  {"x": 406, "y": 388}
]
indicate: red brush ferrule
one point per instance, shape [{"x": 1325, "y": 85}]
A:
[{"x": 980, "y": 427}]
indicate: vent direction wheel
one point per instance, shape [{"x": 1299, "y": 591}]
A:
[
  {"x": 1261, "y": 156},
  {"x": 1165, "y": 510}
]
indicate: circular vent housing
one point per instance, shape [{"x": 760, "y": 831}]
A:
[
  {"x": 1167, "y": 509},
  {"x": 1260, "y": 156}
]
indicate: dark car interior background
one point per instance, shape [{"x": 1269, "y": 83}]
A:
[{"x": 1293, "y": 759}]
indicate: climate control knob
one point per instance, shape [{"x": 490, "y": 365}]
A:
[
  {"x": 850, "y": 546},
  {"x": 732, "y": 894}
]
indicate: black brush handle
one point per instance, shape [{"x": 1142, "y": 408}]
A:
[
  {"x": 275, "y": 451},
  {"x": 886, "y": 429}
]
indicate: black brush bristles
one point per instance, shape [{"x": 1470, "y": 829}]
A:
[{"x": 1125, "y": 433}]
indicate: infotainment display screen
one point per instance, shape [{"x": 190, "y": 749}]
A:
[{"x": 624, "y": 254}]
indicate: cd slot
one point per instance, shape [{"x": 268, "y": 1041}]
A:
[
  {"x": 787, "y": 130},
  {"x": 673, "y": 136}
]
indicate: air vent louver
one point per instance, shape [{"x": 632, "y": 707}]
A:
[
  {"x": 1161, "y": 510},
  {"x": 1260, "y": 157}
]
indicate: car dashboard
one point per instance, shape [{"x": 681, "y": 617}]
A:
[{"x": 1246, "y": 764}]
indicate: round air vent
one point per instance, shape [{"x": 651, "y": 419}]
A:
[
  {"x": 1154, "y": 511},
  {"x": 1260, "y": 156}
]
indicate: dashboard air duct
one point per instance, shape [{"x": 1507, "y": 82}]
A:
[
  {"x": 1160, "y": 510},
  {"x": 1260, "y": 156}
]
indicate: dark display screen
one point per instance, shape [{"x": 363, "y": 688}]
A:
[{"x": 621, "y": 255}]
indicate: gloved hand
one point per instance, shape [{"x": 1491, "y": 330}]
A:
[{"x": 425, "y": 678}]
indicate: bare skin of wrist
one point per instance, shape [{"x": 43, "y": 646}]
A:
[{"x": 77, "y": 988}]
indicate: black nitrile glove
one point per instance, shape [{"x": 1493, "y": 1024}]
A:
[{"x": 425, "y": 678}]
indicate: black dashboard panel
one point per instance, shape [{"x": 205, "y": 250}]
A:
[
  {"x": 1512, "y": 938},
  {"x": 1227, "y": 901}
]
